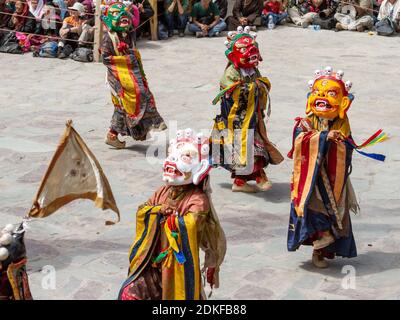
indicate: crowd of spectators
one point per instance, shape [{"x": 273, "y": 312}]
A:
[
  {"x": 57, "y": 26},
  {"x": 60, "y": 28}
]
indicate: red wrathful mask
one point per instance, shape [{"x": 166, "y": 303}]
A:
[{"x": 243, "y": 52}]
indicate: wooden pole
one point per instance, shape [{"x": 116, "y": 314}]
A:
[
  {"x": 154, "y": 21},
  {"x": 98, "y": 33}
]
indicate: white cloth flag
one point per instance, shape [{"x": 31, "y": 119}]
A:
[{"x": 73, "y": 173}]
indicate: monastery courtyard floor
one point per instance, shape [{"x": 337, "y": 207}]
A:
[{"x": 90, "y": 259}]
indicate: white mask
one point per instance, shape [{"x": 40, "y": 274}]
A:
[{"x": 187, "y": 160}]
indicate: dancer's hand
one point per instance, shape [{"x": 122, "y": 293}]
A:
[
  {"x": 166, "y": 210},
  {"x": 210, "y": 276},
  {"x": 335, "y": 135}
]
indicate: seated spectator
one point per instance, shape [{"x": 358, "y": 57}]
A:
[
  {"x": 4, "y": 18},
  {"x": 376, "y": 5},
  {"x": 7, "y": 7},
  {"x": 75, "y": 27},
  {"x": 325, "y": 17},
  {"x": 176, "y": 16},
  {"x": 221, "y": 4},
  {"x": 358, "y": 17},
  {"x": 390, "y": 9},
  {"x": 61, "y": 8},
  {"x": 276, "y": 10},
  {"x": 245, "y": 13},
  {"x": 303, "y": 12},
  {"x": 51, "y": 21},
  {"x": 88, "y": 5},
  {"x": 69, "y": 3},
  {"x": 145, "y": 13},
  {"x": 206, "y": 19},
  {"x": 87, "y": 36},
  {"x": 35, "y": 15},
  {"x": 19, "y": 21}
]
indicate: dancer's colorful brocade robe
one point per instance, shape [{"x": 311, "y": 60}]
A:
[
  {"x": 321, "y": 192},
  {"x": 239, "y": 139},
  {"x": 171, "y": 278},
  {"x": 172, "y": 227},
  {"x": 135, "y": 112},
  {"x": 14, "y": 284}
]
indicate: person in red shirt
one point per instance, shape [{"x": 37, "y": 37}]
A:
[{"x": 275, "y": 9}]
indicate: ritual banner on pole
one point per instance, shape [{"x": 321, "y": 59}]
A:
[{"x": 73, "y": 173}]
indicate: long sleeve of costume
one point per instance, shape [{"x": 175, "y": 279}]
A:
[
  {"x": 211, "y": 238},
  {"x": 213, "y": 243},
  {"x": 106, "y": 49}
]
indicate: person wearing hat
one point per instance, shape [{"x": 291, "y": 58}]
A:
[{"x": 74, "y": 28}]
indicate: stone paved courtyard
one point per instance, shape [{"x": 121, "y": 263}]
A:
[{"x": 38, "y": 95}]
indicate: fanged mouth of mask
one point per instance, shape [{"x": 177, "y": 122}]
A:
[
  {"x": 322, "y": 105},
  {"x": 171, "y": 170},
  {"x": 124, "y": 22}
]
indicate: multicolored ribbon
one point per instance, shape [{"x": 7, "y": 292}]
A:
[
  {"x": 377, "y": 137},
  {"x": 174, "y": 245},
  {"x": 222, "y": 92}
]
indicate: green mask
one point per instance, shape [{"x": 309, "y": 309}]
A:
[{"x": 117, "y": 18}]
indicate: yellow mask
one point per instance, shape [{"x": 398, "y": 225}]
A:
[{"x": 329, "y": 97}]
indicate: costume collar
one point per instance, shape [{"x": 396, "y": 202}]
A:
[{"x": 247, "y": 72}]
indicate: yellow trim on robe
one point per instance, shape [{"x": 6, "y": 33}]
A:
[
  {"x": 266, "y": 81},
  {"x": 177, "y": 289},
  {"x": 152, "y": 211},
  {"x": 232, "y": 114},
  {"x": 128, "y": 98},
  {"x": 246, "y": 124},
  {"x": 296, "y": 166},
  {"x": 313, "y": 154},
  {"x": 340, "y": 171},
  {"x": 173, "y": 273},
  {"x": 191, "y": 228}
]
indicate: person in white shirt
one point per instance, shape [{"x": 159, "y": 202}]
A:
[
  {"x": 390, "y": 9},
  {"x": 355, "y": 16}
]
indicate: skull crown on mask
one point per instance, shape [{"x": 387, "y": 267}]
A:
[
  {"x": 187, "y": 160},
  {"x": 329, "y": 97},
  {"x": 243, "y": 49}
]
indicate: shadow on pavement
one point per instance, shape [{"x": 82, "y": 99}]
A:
[
  {"x": 279, "y": 193},
  {"x": 59, "y": 253},
  {"x": 138, "y": 148},
  {"x": 367, "y": 263}
]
